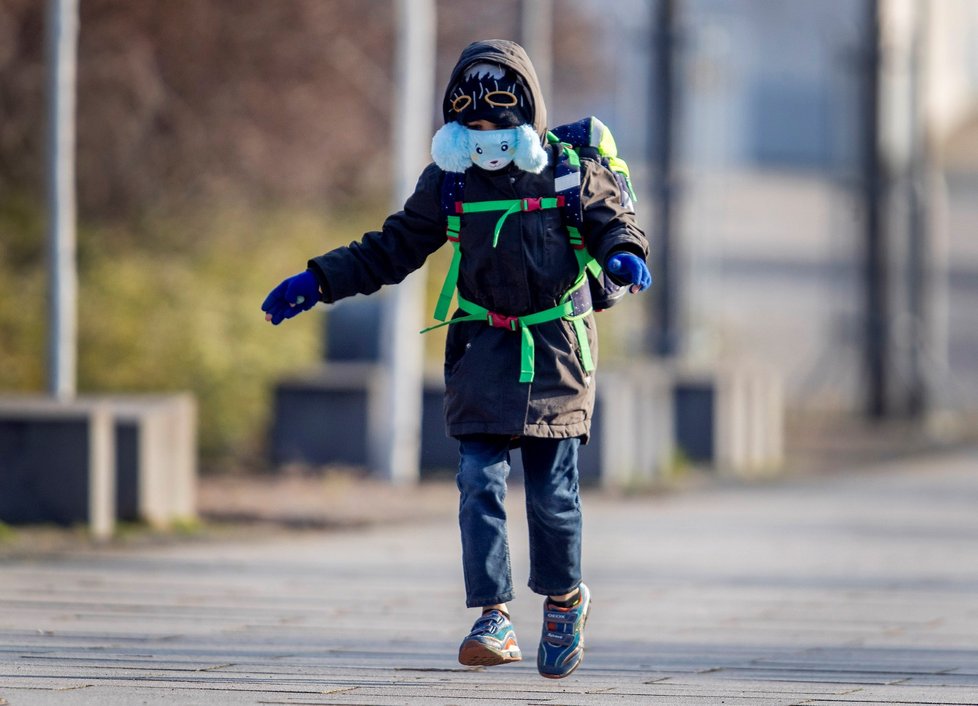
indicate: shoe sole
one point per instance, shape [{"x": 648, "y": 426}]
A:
[
  {"x": 578, "y": 664},
  {"x": 475, "y": 654}
]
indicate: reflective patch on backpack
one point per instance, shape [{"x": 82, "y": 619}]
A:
[{"x": 567, "y": 181}]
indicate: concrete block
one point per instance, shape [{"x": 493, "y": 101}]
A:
[
  {"x": 750, "y": 426},
  {"x": 321, "y": 417},
  {"x": 731, "y": 419},
  {"x": 156, "y": 442},
  {"x": 439, "y": 452},
  {"x": 352, "y": 330},
  {"x": 98, "y": 459},
  {"x": 694, "y": 405},
  {"x": 57, "y": 463},
  {"x": 632, "y": 431}
]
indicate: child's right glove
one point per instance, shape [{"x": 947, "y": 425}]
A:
[
  {"x": 630, "y": 268},
  {"x": 294, "y": 295}
]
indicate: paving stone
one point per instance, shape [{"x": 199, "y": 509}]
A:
[{"x": 845, "y": 589}]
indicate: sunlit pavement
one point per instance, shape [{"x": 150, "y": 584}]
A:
[{"x": 841, "y": 588}]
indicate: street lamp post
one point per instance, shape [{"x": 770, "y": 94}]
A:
[
  {"x": 396, "y": 432},
  {"x": 62, "y": 51}
]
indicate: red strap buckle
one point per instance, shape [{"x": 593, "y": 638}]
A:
[
  {"x": 530, "y": 204},
  {"x": 500, "y": 321}
]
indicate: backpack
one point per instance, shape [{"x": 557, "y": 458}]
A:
[
  {"x": 588, "y": 138},
  {"x": 591, "y": 139}
]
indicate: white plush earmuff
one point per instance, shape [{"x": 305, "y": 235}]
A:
[
  {"x": 450, "y": 147},
  {"x": 530, "y": 155}
]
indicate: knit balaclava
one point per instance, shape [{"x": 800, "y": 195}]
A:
[{"x": 491, "y": 92}]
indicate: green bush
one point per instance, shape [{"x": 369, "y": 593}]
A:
[
  {"x": 23, "y": 297},
  {"x": 173, "y": 304}
]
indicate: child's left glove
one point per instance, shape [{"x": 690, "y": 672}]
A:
[
  {"x": 630, "y": 268},
  {"x": 294, "y": 295}
]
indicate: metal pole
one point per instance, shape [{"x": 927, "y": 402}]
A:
[
  {"x": 536, "y": 28},
  {"x": 62, "y": 55},
  {"x": 919, "y": 258},
  {"x": 667, "y": 303},
  {"x": 876, "y": 316},
  {"x": 396, "y": 428}
]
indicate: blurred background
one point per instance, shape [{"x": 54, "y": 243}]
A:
[{"x": 807, "y": 173}]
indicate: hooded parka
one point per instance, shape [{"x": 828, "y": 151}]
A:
[{"x": 529, "y": 270}]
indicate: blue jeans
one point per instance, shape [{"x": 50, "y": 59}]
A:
[{"x": 553, "y": 511}]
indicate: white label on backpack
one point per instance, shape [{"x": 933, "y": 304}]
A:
[{"x": 567, "y": 181}]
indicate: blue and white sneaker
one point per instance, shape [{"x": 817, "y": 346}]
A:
[
  {"x": 562, "y": 642},
  {"x": 491, "y": 642}
]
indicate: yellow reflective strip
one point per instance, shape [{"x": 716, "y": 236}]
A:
[{"x": 606, "y": 145}]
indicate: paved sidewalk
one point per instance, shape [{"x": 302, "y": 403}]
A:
[{"x": 842, "y": 589}]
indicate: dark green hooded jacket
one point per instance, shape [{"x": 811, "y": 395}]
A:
[{"x": 528, "y": 271}]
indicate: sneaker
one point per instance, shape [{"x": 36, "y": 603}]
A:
[
  {"x": 562, "y": 643},
  {"x": 491, "y": 642}
]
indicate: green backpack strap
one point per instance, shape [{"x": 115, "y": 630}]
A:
[
  {"x": 452, "y": 233},
  {"x": 453, "y": 230},
  {"x": 568, "y": 178}
]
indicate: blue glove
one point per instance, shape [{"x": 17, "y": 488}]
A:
[
  {"x": 294, "y": 295},
  {"x": 630, "y": 268}
]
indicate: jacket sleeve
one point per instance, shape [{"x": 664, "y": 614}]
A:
[
  {"x": 609, "y": 219},
  {"x": 389, "y": 255}
]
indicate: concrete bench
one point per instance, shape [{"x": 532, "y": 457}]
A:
[
  {"x": 96, "y": 460},
  {"x": 730, "y": 419},
  {"x": 632, "y": 436},
  {"x": 321, "y": 416}
]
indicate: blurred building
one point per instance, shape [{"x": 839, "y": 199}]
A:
[{"x": 770, "y": 220}]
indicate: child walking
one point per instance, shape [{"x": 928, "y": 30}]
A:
[{"x": 522, "y": 346}]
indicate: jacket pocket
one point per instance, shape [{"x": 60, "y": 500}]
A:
[{"x": 457, "y": 344}]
